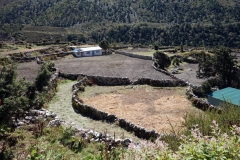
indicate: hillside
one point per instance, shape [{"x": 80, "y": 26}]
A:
[{"x": 91, "y": 16}]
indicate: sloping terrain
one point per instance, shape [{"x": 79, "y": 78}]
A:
[
  {"x": 62, "y": 106},
  {"x": 68, "y": 13},
  {"x": 162, "y": 22}
]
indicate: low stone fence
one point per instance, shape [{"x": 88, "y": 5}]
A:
[
  {"x": 174, "y": 77},
  {"x": 100, "y": 115},
  {"x": 140, "y": 132},
  {"x": 119, "y": 81},
  {"x": 200, "y": 103},
  {"x": 134, "y": 55},
  {"x": 99, "y": 80},
  {"x": 160, "y": 83},
  {"x": 197, "y": 102}
]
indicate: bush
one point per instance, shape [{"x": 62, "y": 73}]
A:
[
  {"x": 69, "y": 139},
  {"x": 44, "y": 74},
  {"x": 162, "y": 60}
]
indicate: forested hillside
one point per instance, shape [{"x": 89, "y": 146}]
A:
[{"x": 162, "y": 18}]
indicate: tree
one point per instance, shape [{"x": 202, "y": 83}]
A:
[
  {"x": 161, "y": 60},
  {"x": 104, "y": 45},
  {"x": 223, "y": 65},
  {"x": 44, "y": 74},
  {"x": 13, "y": 94},
  {"x": 155, "y": 47}
]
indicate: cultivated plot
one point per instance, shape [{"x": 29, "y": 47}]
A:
[
  {"x": 112, "y": 65},
  {"x": 150, "y": 107}
]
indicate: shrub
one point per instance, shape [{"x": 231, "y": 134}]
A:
[
  {"x": 44, "y": 74},
  {"x": 218, "y": 146},
  {"x": 162, "y": 60}
]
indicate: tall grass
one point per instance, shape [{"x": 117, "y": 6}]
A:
[{"x": 229, "y": 116}]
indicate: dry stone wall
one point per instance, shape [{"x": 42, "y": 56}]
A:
[
  {"x": 196, "y": 101},
  {"x": 118, "y": 81},
  {"x": 100, "y": 115},
  {"x": 200, "y": 103},
  {"x": 99, "y": 80},
  {"x": 134, "y": 55}
]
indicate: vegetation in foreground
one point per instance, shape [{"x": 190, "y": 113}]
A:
[{"x": 208, "y": 135}]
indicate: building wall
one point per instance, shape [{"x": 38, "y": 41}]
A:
[
  {"x": 87, "y": 54},
  {"x": 98, "y": 52},
  {"x": 77, "y": 54},
  {"x": 92, "y": 53}
]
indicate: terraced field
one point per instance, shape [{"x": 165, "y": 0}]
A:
[{"x": 111, "y": 65}]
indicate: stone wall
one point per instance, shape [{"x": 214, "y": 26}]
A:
[
  {"x": 140, "y": 132},
  {"x": 134, "y": 55},
  {"x": 118, "y": 81},
  {"x": 196, "y": 101},
  {"x": 160, "y": 83},
  {"x": 100, "y": 115},
  {"x": 99, "y": 80},
  {"x": 200, "y": 103}
]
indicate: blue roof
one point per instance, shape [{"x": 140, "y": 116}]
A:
[{"x": 229, "y": 94}]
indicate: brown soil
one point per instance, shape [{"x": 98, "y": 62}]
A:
[
  {"x": 152, "y": 108},
  {"x": 111, "y": 65},
  {"x": 29, "y": 70}
]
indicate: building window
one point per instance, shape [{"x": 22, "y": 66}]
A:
[
  {"x": 88, "y": 52},
  {"x": 97, "y": 51}
]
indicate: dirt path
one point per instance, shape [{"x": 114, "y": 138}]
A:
[
  {"x": 24, "y": 50},
  {"x": 62, "y": 106}
]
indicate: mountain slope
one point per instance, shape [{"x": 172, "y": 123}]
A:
[
  {"x": 165, "y": 22},
  {"x": 67, "y": 13}
]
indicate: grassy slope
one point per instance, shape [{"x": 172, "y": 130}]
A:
[{"x": 62, "y": 106}]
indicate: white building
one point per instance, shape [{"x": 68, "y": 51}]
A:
[{"x": 87, "y": 52}]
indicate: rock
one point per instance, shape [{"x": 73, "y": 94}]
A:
[
  {"x": 55, "y": 122},
  {"x": 126, "y": 142},
  {"x": 99, "y": 135},
  {"x": 28, "y": 117},
  {"x": 20, "y": 123},
  {"x": 174, "y": 71}
]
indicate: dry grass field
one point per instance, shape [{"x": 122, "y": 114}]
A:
[{"x": 149, "y": 107}]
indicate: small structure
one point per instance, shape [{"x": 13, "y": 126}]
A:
[
  {"x": 87, "y": 52},
  {"x": 229, "y": 95}
]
